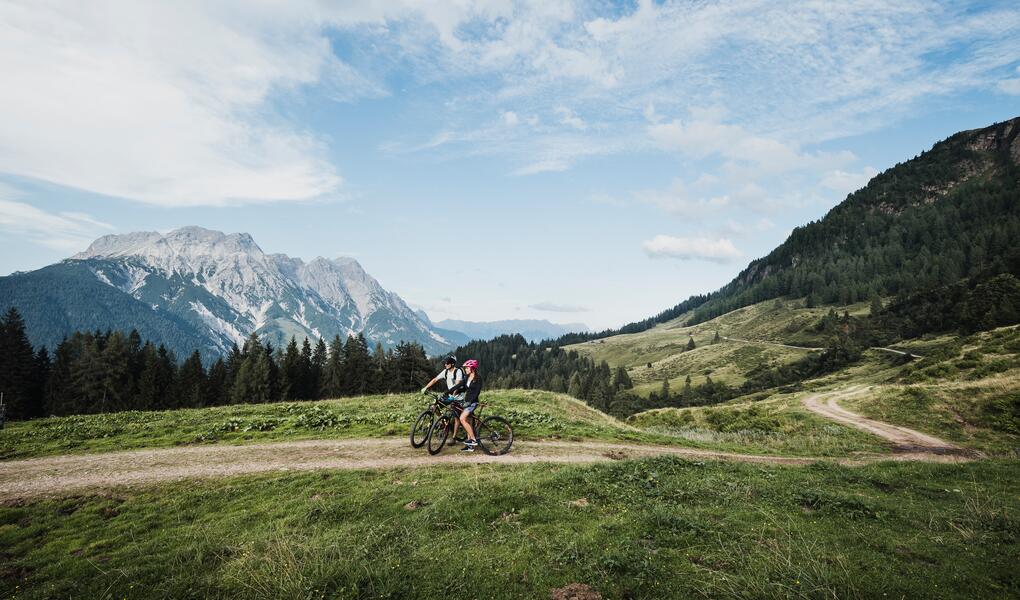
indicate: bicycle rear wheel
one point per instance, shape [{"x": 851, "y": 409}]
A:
[
  {"x": 422, "y": 427},
  {"x": 438, "y": 433},
  {"x": 495, "y": 435}
]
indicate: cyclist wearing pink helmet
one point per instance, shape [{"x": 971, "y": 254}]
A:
[{"x": 471, "y": 386}]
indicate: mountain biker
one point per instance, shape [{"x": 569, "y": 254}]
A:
[
  {"x": 451, "y": 373},
  {"x": 453, "y": 376},
  {"x": 471, "y": 387}
]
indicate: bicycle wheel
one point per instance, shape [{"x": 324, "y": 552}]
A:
[
  {"x": 495, "y": 435},
  {"x": 422, "y": 427},
  {"x": 438, "y": 433}
]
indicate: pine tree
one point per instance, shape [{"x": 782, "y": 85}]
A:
[
  {"x": 115, "y": 374},
  {"x": 306, "y": 389},
  {"x": 380, "y": 368},
  {"x": 664, "y": 391},
  {"x": 273, "y": 370},
  {"x": 291, "y": 375},
  {"x": 148, "y": 386},
  {"x": 216, "y": 392},
  {"x": 166, "y": 376},
  {"x": 356, "y": 366},
  {"x": 333, "y": 375},
  {"x": 622, "y": 380},
  {"x": 575, "y": 388},
  {"x": 717, "y": 338},
  {"x": 191, "y": 382},
  {"x": 39, "y": 380},
  {"x": 320, "y": 357},
  {"x": 17, "y": 366},
  {"x": 687, "y": 392},
  {"x": 690, "y": 343},
  {"x": 252, "y": 382}
]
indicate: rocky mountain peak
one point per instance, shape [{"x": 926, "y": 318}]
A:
[{"x": 227, "y": 284}]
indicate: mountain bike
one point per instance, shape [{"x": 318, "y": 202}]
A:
[
  {"x": 423, "y": 424},
  {"x": 495, "y": 436}
]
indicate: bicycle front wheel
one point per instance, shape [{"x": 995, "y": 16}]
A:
[
  {"x": 437, "y": 434},
  {"x": 422, "y": 427},
  {"x": 495, "y": 435}
]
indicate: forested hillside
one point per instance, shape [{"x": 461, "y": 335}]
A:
[{"x": 950, "y": 213}]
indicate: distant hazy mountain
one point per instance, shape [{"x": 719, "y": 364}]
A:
[
  {"x": 196, "y": 288},
  {"x": 533, "y": 330}
]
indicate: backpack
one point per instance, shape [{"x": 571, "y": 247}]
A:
[{"x": 455, "y": 371}]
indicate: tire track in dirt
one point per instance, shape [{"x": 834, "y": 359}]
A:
[
  {"x": 70, "y": 474},
  {"x": 903, "y": 439}
]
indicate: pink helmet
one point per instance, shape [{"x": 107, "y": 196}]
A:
[{"x": 471, "y": 363}]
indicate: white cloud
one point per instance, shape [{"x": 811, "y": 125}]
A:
[
  {"x": 815, "y": 71},
  {"x": 166, "y": 103},
  {"x": 65, "y": 231},
  {"x": 553, "y": 307},
  {"x": 720, "y": 250},
  {"x": 747, "y": 155},
  {"x": 677, "y": 201},
  {"x": 568, "y": 118},
  {"x": 543, "y": 166},
  {"x": 1010, "y": 86},
  {"x": 510, "y": 118}
]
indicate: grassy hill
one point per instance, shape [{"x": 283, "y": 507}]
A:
[
  {"x": 534, "y": 414},
  {"x": 965, "y": 389},
  {"x": 665, "y": 345}
]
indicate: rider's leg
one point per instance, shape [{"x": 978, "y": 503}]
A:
[{"x": 465, "y": 418}]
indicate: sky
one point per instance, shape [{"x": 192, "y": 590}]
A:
[{"x": 575, "y": 161}]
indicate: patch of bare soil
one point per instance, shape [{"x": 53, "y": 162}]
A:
[{"x": 575, "y": 591}]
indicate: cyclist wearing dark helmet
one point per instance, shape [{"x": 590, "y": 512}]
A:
[
  {"x": 471, "y": 386},
  {"x": 451, "y": 373},
  {"x": 453, "y": 376}
]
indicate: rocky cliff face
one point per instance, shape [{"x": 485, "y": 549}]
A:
[{"x": 226, "y": 285}]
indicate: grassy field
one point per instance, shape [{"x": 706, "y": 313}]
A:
[
  {"x": 664, "y": 347},
  {"x": 655, "y": 528},
  {"x": 534, "y": 415}
]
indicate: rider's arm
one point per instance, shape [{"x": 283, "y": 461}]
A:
[
  {"x": 461, "y": 385},
  {"x": 430, "y": 384}
]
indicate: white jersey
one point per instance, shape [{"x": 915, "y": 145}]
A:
[{"x": 452, "y": 376}]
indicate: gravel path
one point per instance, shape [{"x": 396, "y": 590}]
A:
[
  {"x": 69, "y": 474},
  {"x": 902, "y": 438}
]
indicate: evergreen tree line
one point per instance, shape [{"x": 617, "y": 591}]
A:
[
  {"x": 94, "y": 372},
  {"x": 510, "y": 361}
]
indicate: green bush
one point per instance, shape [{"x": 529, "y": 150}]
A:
[{"x": 1003, "y": 413}]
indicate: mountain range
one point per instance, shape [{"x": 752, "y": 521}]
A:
[
  {"x": 533, "y": 330},
  {"x": 194, "y": 288}
]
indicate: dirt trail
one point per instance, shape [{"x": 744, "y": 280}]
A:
[
  {"x": 62, "y": 475},
  {"x": 902, "y": 438}
]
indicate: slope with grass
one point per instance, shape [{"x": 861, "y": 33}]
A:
[
  {"x": 652, "y": 528},
  {"x": 966, "y": 390},
  {"x": 534, "y": 414},
  {"x": 726, "y": 361}
]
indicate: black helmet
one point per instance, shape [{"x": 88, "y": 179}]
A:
[{"x": 450, "y": 360}]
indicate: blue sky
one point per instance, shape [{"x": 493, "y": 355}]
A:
[{"x": 575, "y": 161}]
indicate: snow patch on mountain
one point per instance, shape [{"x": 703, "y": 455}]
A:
[{"x": 273, "y": 294}]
